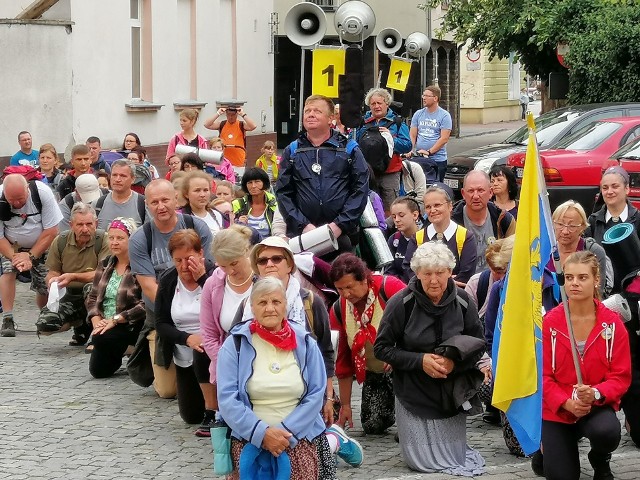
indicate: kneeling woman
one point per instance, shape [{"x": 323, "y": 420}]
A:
[
  {"x": 571, "y": 411},
  {"x": 114, "y": 304},
  {"x": 178, "y": 327},
  {"x": 431, "y": 335},
  {"x": 271, "y": 384}
]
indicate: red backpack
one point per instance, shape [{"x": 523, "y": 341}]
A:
[{"x": 27, "y": 171}]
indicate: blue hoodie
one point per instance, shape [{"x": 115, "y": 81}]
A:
[{"x": 235, "y": 368}]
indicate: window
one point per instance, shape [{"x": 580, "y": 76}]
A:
[
  {"x": 589, "y": 137},
  {"x": 326, "y": 5},
  {"x": 514, "y": 78},
  {"x": 136, "y": 48}
]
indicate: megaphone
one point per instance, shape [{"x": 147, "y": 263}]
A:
[
  {"x": 354, "y": 21},
  {"x": 417, "y": 44},
  {"x": 389, "y": 41},
  {"x": 305, "y": 24}
]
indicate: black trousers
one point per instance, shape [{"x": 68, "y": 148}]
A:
[
  {"x": 560, "y": 442},
  {"x": 109, "y": 347},
  {"x": 190, "y": 399}
]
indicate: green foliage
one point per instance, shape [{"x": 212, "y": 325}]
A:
[
  {"x": 604, "y": 58},
  {"x": 603, "y": 36}
]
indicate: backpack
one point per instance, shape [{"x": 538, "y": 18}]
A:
[
  {"x": 146, "y": 228},
  {"x": 375, "y": 147},
  {"x": 64, "y": 237},
  {"x": 350, "y": 147},
  {"x": 483, "y": 287},
  {"x": 143, "y": 175},
  {"x": 461, "y": 236},
  {"x": 5, "y": 208},
  {"x": 27, "y": 171}
]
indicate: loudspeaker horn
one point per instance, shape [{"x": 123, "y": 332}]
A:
[
  {"x": 389, "y": 41},
  {"x": 417, "y": 44},
  {"x": 354, "y": 21},
  {"x": 305, "y": 24}
]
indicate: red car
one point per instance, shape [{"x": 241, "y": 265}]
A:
[
  {"x": 628, "y": 157},
  {"x": 572, "y": 170}
]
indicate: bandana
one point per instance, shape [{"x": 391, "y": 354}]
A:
[
  {"x": 123, "y": 224},
  {"x": 366, "y": 333},
  {"x": 284, "y": 339}
]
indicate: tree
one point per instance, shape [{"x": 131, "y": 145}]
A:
[{"x": 603, "y": 36}]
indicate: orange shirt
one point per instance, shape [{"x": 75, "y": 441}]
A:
[{"x": 231, "y": 135}]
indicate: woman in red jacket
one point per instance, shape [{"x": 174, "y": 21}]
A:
[
  {"x": 356, "y": 316},
  {"x": 571, "y": 411}
]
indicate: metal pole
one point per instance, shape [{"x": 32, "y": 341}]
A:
[{"x": 300, "y": 104}]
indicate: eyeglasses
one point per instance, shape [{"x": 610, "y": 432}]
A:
[
  {"x": 276, "y": 260},
  {"x": 570, "y": 228},
  {"x": 428, "y": 96}
]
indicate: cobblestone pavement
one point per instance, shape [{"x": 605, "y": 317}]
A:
[{"x": 57, "y": 422}]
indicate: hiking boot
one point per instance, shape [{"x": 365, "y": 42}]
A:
[
  {"x": 600, "y": 464},
  {"x": 204, "y": 430},
  {"x": 48, "y": 324},
  {"x": 8, "y": 327},
  {"x": 350, "y": 451}
]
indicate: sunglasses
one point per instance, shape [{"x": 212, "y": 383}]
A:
[{"x": 276, "y": 260}]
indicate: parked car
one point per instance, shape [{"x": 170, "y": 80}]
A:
[
  {"x": 551, "y": 127},
  {"x": 572, "y": 170},
  {"x": 628, "y": 157}
]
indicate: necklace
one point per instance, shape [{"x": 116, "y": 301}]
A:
[{"x": 240, "y": 284}]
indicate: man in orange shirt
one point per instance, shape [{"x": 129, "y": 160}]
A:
[{"x": 232, "y": 132}]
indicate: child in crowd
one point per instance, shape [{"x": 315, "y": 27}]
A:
[
  {"x": 225, "y": 190},
  {"x": 268, "y": 161},
  {"x": 103, "y": 180},
  {"x": 224, "y": 170}
]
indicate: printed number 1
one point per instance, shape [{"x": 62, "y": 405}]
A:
[
  {"x": 399, "y": 75},
  {"x": 329, "y": 71}
]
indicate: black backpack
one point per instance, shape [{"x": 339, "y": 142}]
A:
[
  {"x": 5, "y": 208},
  {"x": 374, "y": 147}
]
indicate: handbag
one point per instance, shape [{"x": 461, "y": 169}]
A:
[{"x": 221, "y": 442}]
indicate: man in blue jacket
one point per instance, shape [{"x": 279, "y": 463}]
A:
[{"x": 323, "y": 178}]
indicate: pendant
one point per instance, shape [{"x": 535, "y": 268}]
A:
[
  {"x": 439, "y": 236},
  {"x": 274, "y": 367},
  {"x": 316, "y": 167},
  {"x": 615, "y": 219}
]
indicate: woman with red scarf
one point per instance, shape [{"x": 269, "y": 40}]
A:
[
  {"x": 271, "y": 385},
  {"x": 356, "y": 316}
]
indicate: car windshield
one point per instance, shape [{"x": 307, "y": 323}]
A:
[
  {"x": 630, "y": 150},
  {"x": 548, "y": 125},
  {"x": 588, "y": 137}
]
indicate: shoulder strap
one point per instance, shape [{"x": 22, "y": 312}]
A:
[
  {"x": 463, "y": 303},
  {"x": 188, "y": 221},
  {"x": 407, "y": 165},
  {"x": 398, "y": 121},
  {"x": 62, "y": 242},
  {"x": 383, "y": 294},
  {"x": 146, "y": 228},
  {"x": 99, "y": 240},
  {"x": 337, "y": 309},
  {"x": 461, "y": 236},
  {"x": 35, "y": 196},
  {"x": 351, "y": 145},
  {"x": 69, "y": 200},
  {"x": 222, "y": 124},
  {"x": 100, "y": 203},
  {"x": 483, "y": 287},
  {"x": 293, "y": 147},
  {"x": 142, "y": 210},
  {"x": 408, "y": 301},
  {"x": 308, "y": 309},
  {"x": 420, "y": 234}
]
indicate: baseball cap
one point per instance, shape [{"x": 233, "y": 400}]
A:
[{"x": 88, "y": 188}]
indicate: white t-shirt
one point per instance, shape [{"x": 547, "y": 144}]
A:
[
  {"x": 26, "y": 231},
  {"x": 185, "y": 312},
  {"x": 230, "y": 304},
  {"x": 214, "y": 221}
]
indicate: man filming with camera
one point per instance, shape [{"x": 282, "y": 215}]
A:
[{"x": 29, "y": 218}]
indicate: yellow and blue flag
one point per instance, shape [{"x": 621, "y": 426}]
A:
[{"x": 517, "y": 344}]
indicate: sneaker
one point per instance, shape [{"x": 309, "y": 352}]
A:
[
  {"x": 204, "y": 430},
  {"x": 8, "y": 327},
  {"x": 350, "y": 450}
]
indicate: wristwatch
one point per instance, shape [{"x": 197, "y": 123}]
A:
[
  {"x": 116, "y": 318},
  {"x": 597, "y": 395},
  {"x": 32, "y": 258},
  {"x": 429, "y": 152}
]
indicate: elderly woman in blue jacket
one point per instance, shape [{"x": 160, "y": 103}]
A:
[{"x": 271, "y": 385}]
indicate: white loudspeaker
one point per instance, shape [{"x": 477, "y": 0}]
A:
[
  {"x": 305, "y": 24},
  {"x": 354, "y": 21},
  {"x": 417, "y": 44},
  {"x": 389, "y": 41}
]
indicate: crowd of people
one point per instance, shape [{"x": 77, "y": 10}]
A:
[{"x": 202, "y": 283}]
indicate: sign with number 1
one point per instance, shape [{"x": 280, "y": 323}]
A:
[
  {"x": 328, "y": 63},
  {"x": 399, "y": 71}
]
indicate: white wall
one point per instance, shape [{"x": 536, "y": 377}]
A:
[{"x": 36, "y": 85}]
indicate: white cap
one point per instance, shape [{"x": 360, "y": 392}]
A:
[{"x": 88, "y": 188}]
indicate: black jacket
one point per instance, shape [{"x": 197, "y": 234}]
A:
[
  {"x": 597, "y": 224},
  {"x": 337, "y": 193},
  {"x": 168, "y": 335},
  {"x": 409, "y": 330}
]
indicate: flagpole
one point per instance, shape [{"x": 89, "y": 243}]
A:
[{"x": 556, "y": 259}]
